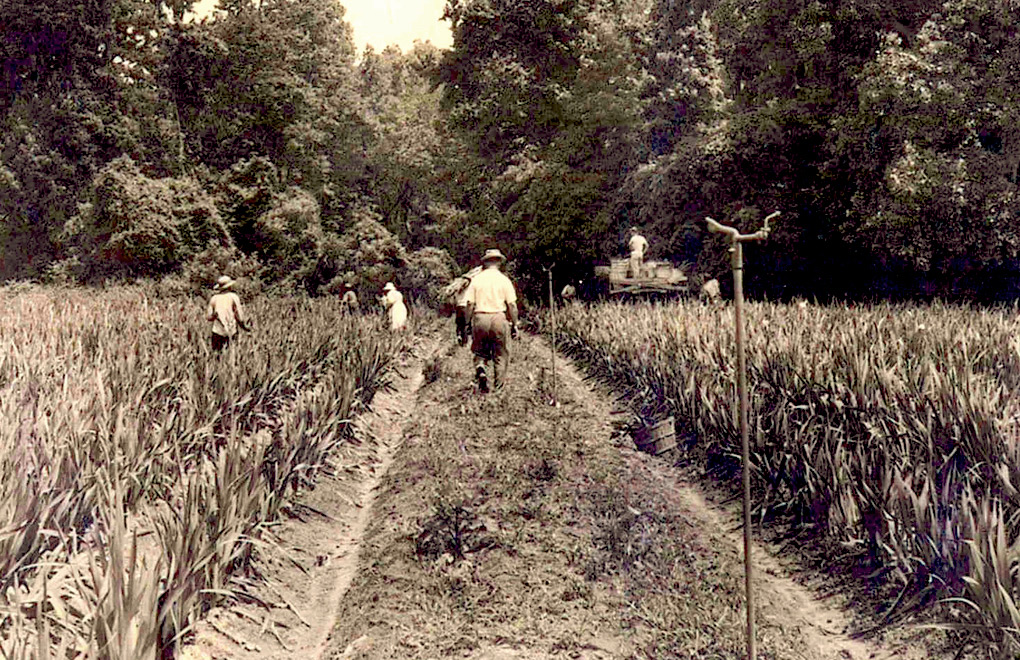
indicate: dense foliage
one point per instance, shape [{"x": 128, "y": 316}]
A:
[
  {"x": 140, "y": 142},
  {"x": 884, "y": 132},
  {"x": 141, "y": 470},
  {"x": 888, "y": 430}
]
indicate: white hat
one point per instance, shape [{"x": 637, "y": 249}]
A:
[
  {"x": 224, "y": 283},
  {"x": 389, "y": 287},
  {"x": 492, "y": 254}
]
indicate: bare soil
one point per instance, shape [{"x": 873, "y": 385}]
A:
[
  {"x": 309, "y": 564},
  {"x": 522, "y": 524}
]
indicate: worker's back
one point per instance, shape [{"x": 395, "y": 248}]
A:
[
  {"x": 225, "y": 311},
  {"x": 490, "y": 291}
]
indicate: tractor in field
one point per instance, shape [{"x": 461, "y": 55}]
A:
[{"x": 656, "y": 279}]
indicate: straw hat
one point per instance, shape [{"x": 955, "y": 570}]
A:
[
  {"x": 389, "y": 287},
  {"x": 492, "y": 255},
  {"x": 224, "y": 283}
]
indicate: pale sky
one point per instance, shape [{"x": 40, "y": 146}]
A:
[{"x": 385, "y": 22}]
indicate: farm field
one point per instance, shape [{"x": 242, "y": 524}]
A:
[
  {"x": 139, "y": 469},
  {"x": 159, "y": 501},
  {"x": 890, "y": 433},
  {"x": 510, "y": 528}
]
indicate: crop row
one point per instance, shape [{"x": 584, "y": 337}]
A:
[
  {"x": 894, "y": 431},
  {"x": 138, "y": 467}
]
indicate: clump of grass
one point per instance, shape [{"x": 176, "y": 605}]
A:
[
  {"x": 433, "y": 369},
  {"x": 453, "y": 529}
]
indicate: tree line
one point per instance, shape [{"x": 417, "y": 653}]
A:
[{"x": 138, "y": 142}]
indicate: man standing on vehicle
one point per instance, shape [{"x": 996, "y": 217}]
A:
[
  {"x": 225, "y": 313},
  {"x": 638, "y": 246},
  {"x": 492, "y": 308}
]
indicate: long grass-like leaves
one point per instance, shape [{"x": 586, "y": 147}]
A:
[
  {"x": 893, "y": 430},
  {"x": 114, "y": 409}
]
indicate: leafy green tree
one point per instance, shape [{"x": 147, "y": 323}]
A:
[
  {"x": 939, "y": 146},
  {"x": 273, "y": 79},
  {"x": 412, "y": 157},
  {"x": 551, "y": 95},
  {"x": 139, "y": 226},
  {"x": 54, "y": 129}
]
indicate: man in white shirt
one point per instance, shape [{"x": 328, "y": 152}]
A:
[
  {"x": 492, "y": 308},
  {"x": 393, "y": 301},
  {"x": 638, "y": 246}
]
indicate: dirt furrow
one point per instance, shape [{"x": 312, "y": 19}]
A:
[
  {"x": 305, "y": 570},
  {"x": 785, "y": 606}
]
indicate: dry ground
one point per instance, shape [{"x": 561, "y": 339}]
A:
[{"x": 501, "y": 526}]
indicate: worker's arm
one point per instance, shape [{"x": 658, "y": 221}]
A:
[
  {"x": 511, "y": 312},
  {"x": 210, "y": 311},
  {"x": 242, "y": 318},
  {"x": 469, "y": 309}
]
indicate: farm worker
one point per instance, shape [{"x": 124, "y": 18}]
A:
[
  {"x": 710, "y": 291},
  {"x": 393, "y": 301},
  {"x": 638, "y": 246},
  {"x": 568, "y": 293},
  {"x": 492, "y": 308},
  {"x": 226, "y": 313},
  {"x": 350, "y": 299},
  {"x": 462, "y": 319}
]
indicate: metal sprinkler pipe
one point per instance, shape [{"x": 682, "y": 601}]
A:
[
  {"x": 737, "y": 262},
  {"x": 552, "y": 341}
]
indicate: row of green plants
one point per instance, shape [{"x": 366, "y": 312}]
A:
[
  {"x": 891, "y": 430},
  {"x": 139, "y": 467}
]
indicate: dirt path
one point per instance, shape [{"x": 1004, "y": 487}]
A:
[
  {"x": 317, "y": 553},
  {"x": 824, "y": 624},
  {"x": 566, "y": 541},
  {"x": 570, "y": 543},
  {"x": 784, "y": 604}
]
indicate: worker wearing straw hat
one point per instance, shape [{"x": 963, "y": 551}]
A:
[
  {"x": 492, "y": 307},
  {"x": 226, "y": 313},
  {"x": 393, "y": 301}
]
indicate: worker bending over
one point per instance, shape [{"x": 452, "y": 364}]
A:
[
  {"x": 492, "y": 308},
  {"x": 393, "y": 301}
]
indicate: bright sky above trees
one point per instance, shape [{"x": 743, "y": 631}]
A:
[{"x": 384, "y": 22}]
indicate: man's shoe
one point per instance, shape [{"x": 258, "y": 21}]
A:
[{"x": 483, "y": 383}]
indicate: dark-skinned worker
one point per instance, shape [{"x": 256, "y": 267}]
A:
[{"x": 492, "y": 308}]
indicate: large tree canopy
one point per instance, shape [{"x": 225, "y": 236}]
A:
[{"x": 884, "y": 131}]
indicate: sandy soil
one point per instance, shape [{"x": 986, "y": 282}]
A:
[
  {"x": 520, "y": 524},
  {"x": 314, "y": 556}
]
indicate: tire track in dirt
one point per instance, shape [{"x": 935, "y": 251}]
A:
[
  {"x": 305, "y": 573},
  {"x": 783, "y": 605}
]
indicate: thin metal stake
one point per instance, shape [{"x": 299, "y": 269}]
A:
[
  {"x": 552, "y": 312},
  {"x": 736, "y": 250}
]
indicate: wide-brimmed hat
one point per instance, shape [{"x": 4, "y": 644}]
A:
[
  {"x": 224, "y": 283},
  {"x": 389, "y": 287},
  {"x": 634, "y": 229},
  {"x": 491, "y": 255}
]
